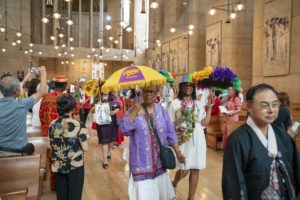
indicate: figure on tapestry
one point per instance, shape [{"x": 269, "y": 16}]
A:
[
  {"x": 276, "y": 38},
  {"x": 214, "y": 50}
]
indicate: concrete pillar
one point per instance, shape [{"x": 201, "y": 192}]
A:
[
  {"x": 197, "y": 10},
  {"x": 79, "y": 23}
]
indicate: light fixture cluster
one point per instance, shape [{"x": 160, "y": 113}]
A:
[
  {"x": 67, "y": 62},
  {"x": 122, "y": 24},
  {"x": 15, "y": 42},
  {"x": 30, "y": 49},
  {"x": 190, "y": 29},
  {"x": 231, "y": 8},
  {"x": 57, "y": 16}
]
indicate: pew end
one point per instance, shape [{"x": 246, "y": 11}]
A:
[
  {"x": 20, "y": 172},
  {"x": 17, "y": 194},
  {"x": 214, "y": 131}
]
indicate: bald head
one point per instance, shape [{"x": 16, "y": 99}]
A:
[{"x": 9, "y": 85}]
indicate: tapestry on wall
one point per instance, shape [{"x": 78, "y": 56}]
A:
[
  {"x": 154, "y": 57},
  {"x": 183, "y": 56},
  {"x": 172, "y": 56},
  {"x": 98, "y": 71},
  {"x": 165, "y": 56},
  {"x": 214, "y": 44},
  {"x": 177, "y": 56},
  {"x": 276, "y": 39}
]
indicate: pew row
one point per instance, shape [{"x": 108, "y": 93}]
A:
[
  {"x": 214, "y": 131},
  {"x": 233, "y": 125},
  {"x": 40, "y": 145},
  {"x": 20, "y": 172},
  {"x": 16, "y": 194}
]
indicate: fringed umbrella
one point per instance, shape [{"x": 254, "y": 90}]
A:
[{"x": 132, "y": 77}]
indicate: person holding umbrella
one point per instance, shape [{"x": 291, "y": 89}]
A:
[{"x": 148, "y": 178}]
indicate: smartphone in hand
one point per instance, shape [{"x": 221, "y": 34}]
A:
[
  {"x": 34, "y": 69},
  {"x": 138, "y": 99}
]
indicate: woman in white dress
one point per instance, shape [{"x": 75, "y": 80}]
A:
[{"x": 189, "y": 116}]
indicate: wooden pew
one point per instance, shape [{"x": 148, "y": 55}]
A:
[
  {"x": 233, "y": 125},
  {"x": 244, "y": 106},
  {"x": 243, "y": 114},
  {"x": 33, "y": 132},
  {"x": 20, "y": 172},
  {"x": 295, "y": 106},
  {"x": 40, "y": 145},
  {"x": 295, "y": 116},
  {"x": 214, "y": 130},
  {"x": 17, "y": 194}
]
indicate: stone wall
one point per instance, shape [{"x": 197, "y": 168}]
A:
[
  {"x": 171, "y": 14},
  {"x": 236, "y": 41},
  {"x": 287, "y": 83}
]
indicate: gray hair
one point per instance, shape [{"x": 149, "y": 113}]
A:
[{"x": 9, "y": 85}]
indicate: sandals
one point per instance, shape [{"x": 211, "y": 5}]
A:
[
  {"x": 108, "y": 158},
  {"x": 105, "y": 166}
]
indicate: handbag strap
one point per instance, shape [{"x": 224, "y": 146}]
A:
[{"x": 152, "y": 126}]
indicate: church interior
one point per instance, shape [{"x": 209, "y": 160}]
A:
[{"x": 84, "y": 40}]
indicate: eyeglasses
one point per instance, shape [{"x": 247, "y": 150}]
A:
[
  {"x": 266, "y": 105},
  {"x": 188, "y": 85}
]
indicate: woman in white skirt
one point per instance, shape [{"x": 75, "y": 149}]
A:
[
  {"x": 148, "y": 178},
  {"x": 189, "y": 117}
]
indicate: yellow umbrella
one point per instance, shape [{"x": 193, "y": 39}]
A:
[
  {"x": 91, "y": 87},
  {"x": 133, "y": 76},
  {"x": 202, "y": 74}
]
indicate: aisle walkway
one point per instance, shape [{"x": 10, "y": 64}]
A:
[{"x": 111, "y": 183}]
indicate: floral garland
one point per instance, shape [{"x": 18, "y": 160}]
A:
[{"x": 187, "y": 122}]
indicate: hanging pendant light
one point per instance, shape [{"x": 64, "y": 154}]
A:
[
  {"x": 154, "y": 5},
  {"x": 143, "y": 7},
  {"x": 49, "y": 3}
]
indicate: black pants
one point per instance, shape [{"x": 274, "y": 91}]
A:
[
  {"x": 83, "y": 113},
  {"x": 69, "y": 186}
]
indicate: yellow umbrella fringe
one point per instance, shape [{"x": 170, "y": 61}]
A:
[
  {"x": 134, "y": 84},
  {"x": 202, "y": 74}
]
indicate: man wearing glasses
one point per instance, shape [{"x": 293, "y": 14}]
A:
[{"x": 261, "y": 160}]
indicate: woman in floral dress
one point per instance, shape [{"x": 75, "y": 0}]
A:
[{"x": 233, "y": 105}]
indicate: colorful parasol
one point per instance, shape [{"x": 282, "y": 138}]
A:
[
  {"x": 133, "y": 76},
  {"x": 92, "y": 87},
  {"x": 202, "y": 74},
  {"x": 170, "y": 77}
]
